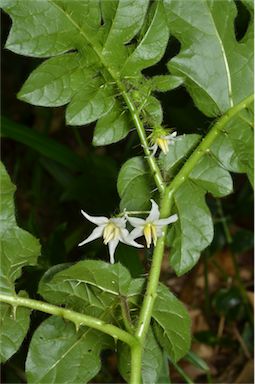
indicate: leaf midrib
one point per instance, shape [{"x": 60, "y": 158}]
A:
[{"x": 224, "y": 58}]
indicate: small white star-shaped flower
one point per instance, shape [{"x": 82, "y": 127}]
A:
[
  {"x": 163, "y": 143},
  {"x": 151, "y": 227},
  {"x": 112, "y": 230}
]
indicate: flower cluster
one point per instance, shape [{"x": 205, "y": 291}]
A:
[{"x": 113, "y": 230}]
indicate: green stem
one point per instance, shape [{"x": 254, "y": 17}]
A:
[
  {"x": 151, "y": 291},
  {"x": 204, "y": 146},
  {"x": 132, "y": 109},
  {"x": 77, "y": 318},
  {"x": 126, "y": 315},
  {"x": 136, "y": 364},
  {"x": 166, "y": 205},
  {"x": 143, "y": 138}
]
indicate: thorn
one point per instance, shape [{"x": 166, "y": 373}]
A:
[
  {"x": 14, "y": 311},
  {"x": 77, "y": 327}
]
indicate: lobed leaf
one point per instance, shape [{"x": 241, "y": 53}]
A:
[
  {"x": 234, "y": 147},
  {"x": 171, "y": 324},
  {"x": 112, "y": 127},
  {"x": 152, "y": 45},
  {"x": 209, "y": 175},
  {"x": 193, "y": 231},
  {"x": 18, "y": 248},
  {"x": 217, "y": 68},
  {"x": 90, "y": 286},
  {"x": 96, "y": 47},
  {"x": 58, "y": 353}
]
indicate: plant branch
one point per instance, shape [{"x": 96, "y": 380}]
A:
[
  {"x": 204, "y": 146},
  {"x": 166, "y": 205},
  {"x": 77, "y": 318}
]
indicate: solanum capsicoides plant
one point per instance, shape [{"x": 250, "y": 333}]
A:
[{"x": 95, "y": 53}]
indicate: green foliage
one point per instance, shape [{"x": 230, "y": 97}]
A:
[
  {"x": 18, "y": 248},
  {"x": 217, "y": 68},
  {"x": 61, "y": 354},
  {"x": 96, "y": 53},
  {"x": 87, "y": 79},
  {"x": 171, "y": 323},
  {"x": 91, "y": 286},
  {"x": 179, "y": 150},
  {"x": 152, "y": 360},
  {"x": 134, "y": 185}
]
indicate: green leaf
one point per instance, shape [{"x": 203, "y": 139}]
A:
[
  {"x": 151, "y": 361},
  {"x": 55, "y": 81},
  {"x": 112, "y": 127},
  {"x": 171, "y": 323},
  {"x": 18, "y": 249},
  {"x": 152, "y": 45},
  {"x": 89, "y": 104},
  {"x": 125, "y": 23},
  {"x": 14, "y": 324},
  {"x": 208, "y": 174},
  {"x": 164, "y": 376},
  {"x": 59, "y": 353},
  {"x": 134, "y": 185},
  {"x": 89, "y": 286},
  {"x": 178, "y": 150},
  {"x": 234, "y": 147},
  {"x": 96, "y": 47},
  {"x": 153, "y": 111},
  {"x": 164, "y": 83},
  {"x": 197, "y": 361},
  {"x": 217, "y": 68},
  {"x": 42, "y": 144},
  {"x": 193, "y": 231},
  {"x": 129, "y": 257}
]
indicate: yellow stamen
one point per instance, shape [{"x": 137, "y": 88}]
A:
[
  {"x": 154, "y": 234},
  {"x": 111, "y": 232},
  {"x": 150, "y": 234},
  {"x": 163, "y": 145}
]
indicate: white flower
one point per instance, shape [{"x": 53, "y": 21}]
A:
[
  {"x": 163, "y": 143},
  {"x": 112, "y": 230},
  {"x": 151, "y": 227}
]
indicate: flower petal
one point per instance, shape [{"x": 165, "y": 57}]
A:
[
  {"x": 98, "y": 220},
  {"x": 137, "y": 232},
  {"x": 112, "y": 246},
  {"x": 168, "y": 220},
  {"x": 96, "y": 233},
  {"x": 154, "y": 212},
  {"x": 136, "y": 221},
  {"x": 126, "y": 238},
  {"x": 119, "y": 221},
  {"x": 171, "y": 136},
  {"x": 154, "y": 149}
]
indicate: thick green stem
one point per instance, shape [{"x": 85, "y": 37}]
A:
[
  {"x": 204, "y": 146},
  {"x": 151, "y": 291},
  {"x": 77, "y": 318},
  {"x": 166, "y": 205},
  {"x": 136, "y": 364}
]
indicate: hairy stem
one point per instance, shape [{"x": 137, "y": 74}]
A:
[
  {"x": 143, "y": 138},
  {"x": 77, "y": 318}
]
